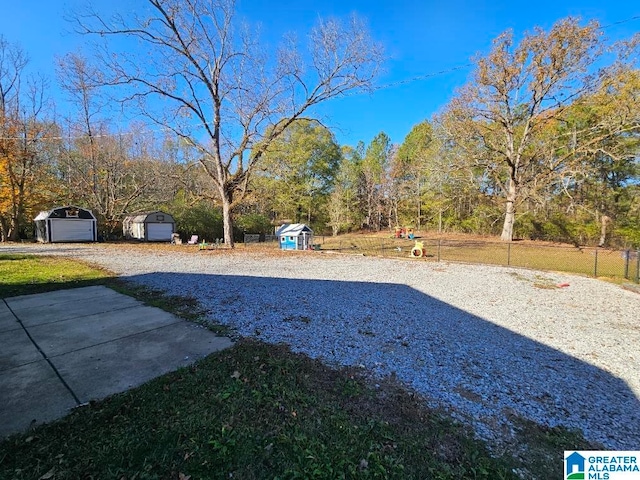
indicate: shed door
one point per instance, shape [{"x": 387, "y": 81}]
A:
[
  {"x": 67, "y": 230},
  {"x": 159, "y": 231}
]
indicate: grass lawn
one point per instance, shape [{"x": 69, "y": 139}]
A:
[
  {"x": 24, "y": 274},
  {"x": 260, "y": 411}
]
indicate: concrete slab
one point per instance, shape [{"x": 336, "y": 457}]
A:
[
  {"x": 116, "y": 366},
  {"x": 100, "y": 342},
  {"x": 50, "y": 298},
  {"x": 17, "y": 349},
  {"x": 8, "y": 321},
  {"x": 57, "y": 338},
  {"x": 31, "y": 394},
  {"x": 64, "y": 310}
]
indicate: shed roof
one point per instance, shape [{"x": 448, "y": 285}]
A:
[
  {"x": 56, "y": 212},
  {"x": 293, "y": 229},
  {"x": 143, "y": 216}
]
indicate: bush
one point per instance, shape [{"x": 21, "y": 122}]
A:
[
  {"x": 255, "y": 223},
  {"x": 629, "y": 237},
  {"x": 557, "y": 228},
  {"x": 482, "y": 221},
  {"x": 199, "y": 219}
]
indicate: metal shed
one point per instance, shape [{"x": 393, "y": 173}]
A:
[
  {"x": 66, "y": 224},
  {"x": 294, "y": 236},
  {"x": 149, "y": 226}
]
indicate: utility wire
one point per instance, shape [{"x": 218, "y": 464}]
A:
[{"x": 375, "y": 89}]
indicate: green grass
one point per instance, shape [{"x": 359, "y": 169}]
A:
[
  {"x": 260, "y": 411},
  {"x": 254, "y": 411},
  {"x": 24, "y": 274},
  {"x": 546, "y": 446}
]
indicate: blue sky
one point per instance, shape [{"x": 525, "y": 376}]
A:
[{"x": 421, "y": 39}]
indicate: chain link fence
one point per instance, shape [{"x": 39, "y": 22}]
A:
[
  {"x": 592, "y": 261},
  {"x": 250, "y": 238},
  {"x": 597, "y": 262}
]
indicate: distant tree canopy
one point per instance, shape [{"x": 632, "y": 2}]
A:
[
  {"x": 298, "y": 171},
  {"x": 538, "y": 144}
]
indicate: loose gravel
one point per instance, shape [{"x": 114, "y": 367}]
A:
[{"x": 485, "y": 343}]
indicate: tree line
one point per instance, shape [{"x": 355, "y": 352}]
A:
[{"x": 542, "y": 142}]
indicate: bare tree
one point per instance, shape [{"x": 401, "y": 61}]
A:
[
  {"x": 221, "y": 91},
  {"x": 113, "y": 173}
]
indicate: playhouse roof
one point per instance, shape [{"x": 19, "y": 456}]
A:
[{"x": 292, "y": 229}]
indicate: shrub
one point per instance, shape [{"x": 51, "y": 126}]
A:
[
  {"x": 254, "y": 223},
  {"x": 199, "y": 219}
]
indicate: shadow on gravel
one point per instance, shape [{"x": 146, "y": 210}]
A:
[{"x": 480, "y": 371}]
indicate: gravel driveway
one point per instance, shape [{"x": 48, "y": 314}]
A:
[{"x": 485, "y": 343}]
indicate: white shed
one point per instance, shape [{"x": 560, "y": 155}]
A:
[
  {"x": 149, "y": 226},
  {"x": 66, "y": 224}
]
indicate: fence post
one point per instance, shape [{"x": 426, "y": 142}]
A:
[
  {"x": 627, "y": 259},
  {"x": 509, "y": 254},
  {"x": 439, "y": 240},
  {"x": 637, "y": 266},
  {"x": 382, "y": 247},
  {"x": 595, "y": 264}
]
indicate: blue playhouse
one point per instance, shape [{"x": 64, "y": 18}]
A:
[{"x": 295, "y": 236}]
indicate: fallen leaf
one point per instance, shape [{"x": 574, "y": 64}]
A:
[{"x": 48, "y": 475}]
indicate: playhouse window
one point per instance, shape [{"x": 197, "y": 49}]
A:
[{"x": 291, "y": 239}]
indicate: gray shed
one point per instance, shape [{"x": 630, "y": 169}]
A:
[
  {"x": 149, "y": 226},
  {"x": 66, "y": 224}
]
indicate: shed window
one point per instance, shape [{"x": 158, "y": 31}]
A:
[
  {"x": 160, "y": 218},
  {"x": 291, "y": 239}
]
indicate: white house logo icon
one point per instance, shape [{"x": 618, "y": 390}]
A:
[{"x": 574, "y": 466}]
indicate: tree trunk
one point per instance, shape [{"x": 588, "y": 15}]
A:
[
  {"x": 227, "y": 219},
  {"x": 4, "y": 230},
  {"x": 14, "y": 229},
  {"x": 510, "y": 213},
  {"x": 604, "y": 222}
]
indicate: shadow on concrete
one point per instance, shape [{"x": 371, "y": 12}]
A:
[{"x": 480, "y": 371}]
